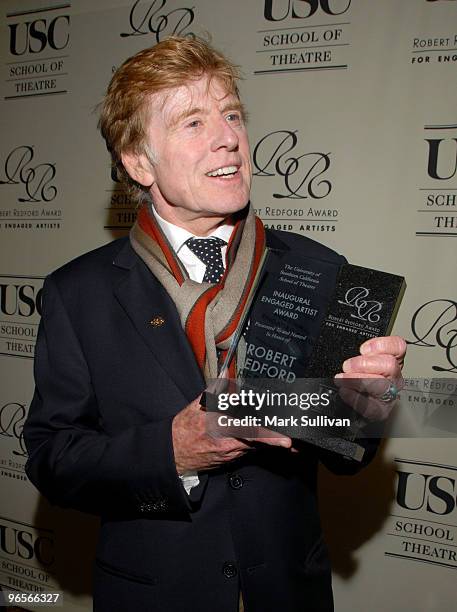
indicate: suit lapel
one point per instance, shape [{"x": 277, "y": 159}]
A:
[
  {"x": 156, "y": 319},
  {"x": 274, "y": 242}
]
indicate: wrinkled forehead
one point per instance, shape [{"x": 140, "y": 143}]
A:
[{"x": 199, "y": 94}]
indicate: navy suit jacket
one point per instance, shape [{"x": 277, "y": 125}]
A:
[{"x": 108, "y": 384}]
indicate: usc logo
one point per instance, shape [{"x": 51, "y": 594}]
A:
[{"x": 278, "y": 10}]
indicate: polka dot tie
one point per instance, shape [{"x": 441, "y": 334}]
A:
[{"x": 208, "y": 251}]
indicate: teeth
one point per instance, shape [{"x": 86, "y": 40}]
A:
[{"x": 222, "y": 171}]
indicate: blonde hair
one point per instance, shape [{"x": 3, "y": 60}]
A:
[{"x": 171, "y": 63}]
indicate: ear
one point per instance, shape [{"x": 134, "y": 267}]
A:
[{"x": 138, "y": 167}]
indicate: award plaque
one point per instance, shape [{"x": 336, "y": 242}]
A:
[{"x": 303, "y": 318}]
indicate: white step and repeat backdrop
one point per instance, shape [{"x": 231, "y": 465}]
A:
[{"x": 353, "y": 126}]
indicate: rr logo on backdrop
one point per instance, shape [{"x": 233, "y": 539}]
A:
[
  {"x": 148, "y": 19},
  {"x": 302, "y": 173},
  {"x": 278, "y": 10},
  {"x": 36, "y": 178},
  {"x": 12, "y": 417},
  {"x": 434, "y": 324}
]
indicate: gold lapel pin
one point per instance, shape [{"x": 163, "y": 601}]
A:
[{"x": 157, "y": 321}]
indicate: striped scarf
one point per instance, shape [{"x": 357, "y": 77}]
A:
[{"x": 209, "y": 314}]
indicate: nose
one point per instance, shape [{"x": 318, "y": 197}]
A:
[{"x": 223, "y": 135}]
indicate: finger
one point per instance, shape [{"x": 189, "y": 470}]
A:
[
  {"x": 215, "y": 429},
  {"x": 374, "y": 385},
  {"x": 267, "y": 436},
  {"x": 230, "y": 444},
  {"x": 274, "y": 440},
  {"x": 217, "y": 459},
  {"x": 393, "y": 345},
  {"x": 371, "y": 384},
  {"x": 382, "y": 364},
  {"x": 196, "y": 403},
  {"x": 369, "y": 407},
  {"x": 234, "y": 454},
  {"x": 249, "y": 434}
]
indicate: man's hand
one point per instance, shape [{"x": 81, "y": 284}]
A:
[
  {"x": 367, "y": 377},
  {"x": 195, "y": 448}
]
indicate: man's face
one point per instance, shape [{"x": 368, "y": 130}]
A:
[{"x": 202, "y": 169}]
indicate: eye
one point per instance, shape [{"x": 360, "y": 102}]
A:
[
  {"x": 234, "y": 117},
  {"x": 194, "y": 123}
]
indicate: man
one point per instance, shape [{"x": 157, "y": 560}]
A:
[{"x": 129, "y": 337}]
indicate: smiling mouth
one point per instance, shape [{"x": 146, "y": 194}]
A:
[{"x": 224, "y": 171}]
